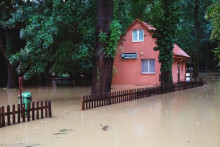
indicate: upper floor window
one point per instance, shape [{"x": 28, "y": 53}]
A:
[{"x": 137, "y": 35}]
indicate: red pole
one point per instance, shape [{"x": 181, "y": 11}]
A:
[{"x": 20, "y": 88}]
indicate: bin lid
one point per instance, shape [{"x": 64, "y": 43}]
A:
[{"x": 25, "y": 94}]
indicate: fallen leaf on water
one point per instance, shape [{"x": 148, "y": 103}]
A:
[
  {"x": 66, "y": 130},
  {"x": 105, "y": 128},
  {"x": 34, "y": 145},
  {"x": 59, "y": 133}
]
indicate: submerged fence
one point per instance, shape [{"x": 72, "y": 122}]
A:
[
  {"x": 8, "y": 116},
  {"x": 103, "y": 99}
]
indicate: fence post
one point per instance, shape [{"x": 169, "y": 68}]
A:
[
  {"x": 13, "y": 113},
  {"x": 19, "y": 113},
  {"x": 110, "y": 97},
  {"x": 28, "y": 112},
  {"x": 37, "y": 110},
  {"x": 122, "y": 95},
  {"x": 132, "y": 95},
  {"x": 42, "y": 110},
  {"x": 49, "y": 106},
  {"x": 0, "y": 117},
  {"x": 3, "y": 116},
  {"x": 23, "y": 111},
  {"x": 33, "y": 108},
  {"x": 85, "y": 102},
  {"x": 46, "y": 105},
  {"x": 90, "y": 101},
  {"x": 8, "y": 115},
  {"x": 115, "y": 97},
  {"x": 93, "y": 101}
]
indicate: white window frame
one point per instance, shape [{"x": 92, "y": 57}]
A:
[
  {"x": 148, "y": 62},
  {"x": 138, "y": 39}
]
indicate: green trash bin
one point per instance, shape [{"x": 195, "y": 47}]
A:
[{"x": 26, "y": 98}]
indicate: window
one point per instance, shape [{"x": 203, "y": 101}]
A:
[
  {"x": 148, "y": 66},
  {"x": 138, "y": 35}
]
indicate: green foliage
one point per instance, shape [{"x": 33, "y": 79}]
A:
[
  {"x": 110, "y": 43},
  {"x": 186, "y": 31},
  {"x": 60, "y": 37},
  {"x": 217, "y": 54},
  {"x": 126, "y": 11},
  {"x": 165, "y": 33},
  {"x": 213, "y": 15}
]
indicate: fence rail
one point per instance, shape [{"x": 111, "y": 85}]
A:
[
  {"x": 103, "y": 99},
  {"x": 12, "y": 116}
]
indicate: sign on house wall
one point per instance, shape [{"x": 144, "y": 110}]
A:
[{"x": 129, "y": 56}]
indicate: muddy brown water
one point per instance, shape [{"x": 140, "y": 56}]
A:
[{"x": 189, "y": 118}]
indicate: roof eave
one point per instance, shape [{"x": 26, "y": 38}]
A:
[{"x": 181, "y": 57}]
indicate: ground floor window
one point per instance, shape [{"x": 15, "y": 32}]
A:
[{"x": 148, "y": 66}]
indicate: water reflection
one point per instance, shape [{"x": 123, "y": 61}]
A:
[{"x": 183, "y": 118}]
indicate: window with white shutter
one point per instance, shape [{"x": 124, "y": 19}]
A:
[
  {"x": 148, "y": 66},
  {"x": 138, "y": 35}
]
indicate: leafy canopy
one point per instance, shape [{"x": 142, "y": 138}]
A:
[{"x": 60, "y": 36}]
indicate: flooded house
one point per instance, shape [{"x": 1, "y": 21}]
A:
[{"x": 136, "y": 61}]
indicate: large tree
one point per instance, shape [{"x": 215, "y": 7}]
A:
[
  {"x": 165, "y": 34},
  {"x": 214, "y": 17},
  {"x": 60, "y": 37},
  {"x": 197, "y": 39},
  {"x": 9, "y": 39},
  {"x": 102, "y": 76},
  {"x": 193, "y": 34}
]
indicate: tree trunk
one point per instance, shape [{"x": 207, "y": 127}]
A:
[
  {"x": 12, "y": 46},
  {"x": 9, "y": 44},
  {"x": 44, "y": 79},
  {"x": 166, "y": 78},
  {"x": 102, "y": 76},
  {"x": 11, "y": 83},
  {"x": 77, "y": 79},
  {"x": 197, "y": 40},
  {"x": 3, "y": 71},
  {"x": 11, "y": 76}
]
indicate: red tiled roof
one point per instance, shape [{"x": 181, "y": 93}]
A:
[
  {"x": 149, "y": 26},
  {"x": 177, "y": 51}
]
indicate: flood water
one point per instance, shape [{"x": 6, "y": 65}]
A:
[{"x": 189, "y": 118}]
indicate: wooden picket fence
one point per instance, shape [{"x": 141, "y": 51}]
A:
[
  {"x": 8, "y": 116},
  {"x": 103, "y": 99}
]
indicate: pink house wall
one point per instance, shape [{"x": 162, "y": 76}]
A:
[
  {"x": 129, "y": 70},
  {"x": 182, "y": 70}
]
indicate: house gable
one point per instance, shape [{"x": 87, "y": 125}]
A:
[
  {"x": 145, "y": 26},
  {"x": 177, "y": 51},
  {"x": 132, "y": 68},
  {"x": 134, "y": 60}
]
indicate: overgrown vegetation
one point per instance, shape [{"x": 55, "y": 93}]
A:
[
  {"x": 214, "y": 16},
  {"x": 165, "y": 34},
  {"x": 40, "y": 37},
  {"x": 110, "y": 43}
]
